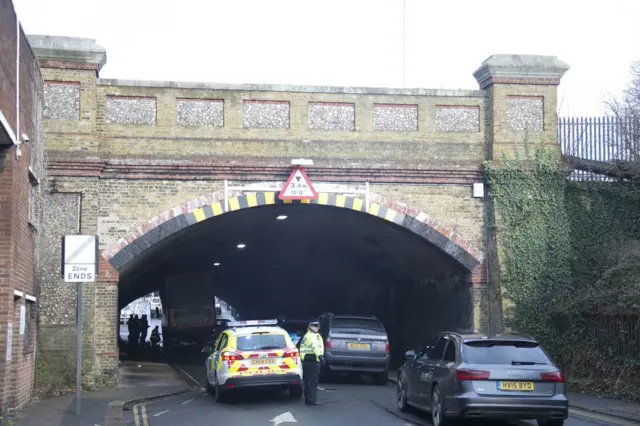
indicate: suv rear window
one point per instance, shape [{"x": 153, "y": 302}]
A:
[
  {"x": 357, "y": 324},
  {"x": 260, "y": 342},
  {"x": 503, "y": 352}
]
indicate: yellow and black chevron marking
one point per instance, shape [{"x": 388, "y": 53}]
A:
[
  {"x": 416, "y": 224},
  {"x": 269, "y": 198}
]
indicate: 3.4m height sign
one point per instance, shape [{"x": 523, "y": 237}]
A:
[
  {"x": 298, "y": 187},
  {"x": 79, "y": 258}
]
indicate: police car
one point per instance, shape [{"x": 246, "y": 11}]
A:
[{"x": 250, "y": 354}]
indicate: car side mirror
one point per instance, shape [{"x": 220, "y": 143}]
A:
[
  {"x": 207, "y": 350},
  {"x": 410, "y": 355}
]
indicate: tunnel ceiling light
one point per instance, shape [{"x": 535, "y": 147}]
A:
[
  {"x": 241, "y": 245},
  {"x": 216, "y": 263},
  {"x": 281, "y": 217}
]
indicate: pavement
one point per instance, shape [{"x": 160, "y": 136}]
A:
[
  {"x": 606, "y": 406},
  {"x": 138, "y": 381}
]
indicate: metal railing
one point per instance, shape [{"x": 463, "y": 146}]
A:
[{"x": 606, "y": 139}]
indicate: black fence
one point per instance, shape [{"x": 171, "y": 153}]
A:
[{"x": 606, "y": 139}]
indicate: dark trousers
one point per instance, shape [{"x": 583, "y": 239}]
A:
[{"x": 311, "y": 378}]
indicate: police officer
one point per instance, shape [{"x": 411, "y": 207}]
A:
[{"x": 312, "y": 356}]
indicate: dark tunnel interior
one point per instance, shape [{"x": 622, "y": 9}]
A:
[{"x": 318, "y": 259}]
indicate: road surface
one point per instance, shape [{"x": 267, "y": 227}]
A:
[{"x": 347, "y": 402}]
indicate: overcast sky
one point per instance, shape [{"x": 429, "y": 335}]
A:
[{"x": 351, "y": 42}]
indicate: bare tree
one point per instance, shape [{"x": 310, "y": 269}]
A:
[{"x": 625, "y": 111}]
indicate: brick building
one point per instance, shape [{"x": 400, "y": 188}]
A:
[{"x": 21, "y": 170}]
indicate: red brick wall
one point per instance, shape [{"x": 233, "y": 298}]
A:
[{"x": 17, "y": 236}]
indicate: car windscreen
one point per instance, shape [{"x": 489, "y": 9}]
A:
[
  {"x": 503, "y": 352},
  {"x": 356, "y": 325},
  {"x": 260, "y": 342}
]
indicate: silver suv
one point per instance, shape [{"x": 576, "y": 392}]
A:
[
  {"x": 355, "y": 344},
  {"x": 470, "y": 376}
]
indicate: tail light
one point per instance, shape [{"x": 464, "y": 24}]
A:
[
  {"x": 291, "y": 353},
  {"x": 231, "y": 356},
  {"x": 327, "y": 343},
  {"x": 387, "y": 349},
  {"x": 556, "y": 376},
  {"x": 463, "y": 374}
]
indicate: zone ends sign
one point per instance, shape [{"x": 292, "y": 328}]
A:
[{"x": 79, "y": 258}]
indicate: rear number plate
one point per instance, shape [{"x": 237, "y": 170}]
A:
[
  {"x": 359, "y": 346},
  {"x": 262, "y": 361},
  {"x": 516, "y": 386}
]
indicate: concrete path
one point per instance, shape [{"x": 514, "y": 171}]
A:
[{"x": 138, "y": 382}]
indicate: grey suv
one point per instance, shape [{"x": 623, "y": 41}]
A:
[
  {"x": 355, "y": 344},
  {"x": 506, "y": 377}
]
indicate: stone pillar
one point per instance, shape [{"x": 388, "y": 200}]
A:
[
  {"x": 523, "y": 97},
  {"x": 522, "y": 103},
  {"x": 70, "y": 68}
]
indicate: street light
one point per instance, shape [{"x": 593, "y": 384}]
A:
[
  {"x": 241, "y": 246},
  {"x": 281, "y": 217},
  {"x": 216, "y": 264}
]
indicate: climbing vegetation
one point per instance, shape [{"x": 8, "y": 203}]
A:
[{"x": 569, "y": 254}]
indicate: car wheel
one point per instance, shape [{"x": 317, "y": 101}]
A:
[
  {"x": 381, "y": 379},
  {"x": 221, "y": 396},
  {"x": 209, "y": 388},
  {"x": 295, "y": 392},
  {"x": 401, "y": 395},
  {"x": 551, "y": 422},
  {"x": 437, "y": 410}
]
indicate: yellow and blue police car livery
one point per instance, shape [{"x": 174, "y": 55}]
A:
[{"x": 254, "y": 353}]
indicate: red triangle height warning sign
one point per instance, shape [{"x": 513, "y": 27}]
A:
[{"x": 298, "y": 187}]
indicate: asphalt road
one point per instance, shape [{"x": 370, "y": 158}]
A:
[{"x": 345, "y": 402}]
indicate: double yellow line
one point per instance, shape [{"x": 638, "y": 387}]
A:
[{"x": 140, "y": 415}]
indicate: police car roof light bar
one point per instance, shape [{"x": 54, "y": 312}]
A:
[{"x": 252, "y": 323}]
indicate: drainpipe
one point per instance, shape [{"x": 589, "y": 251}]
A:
[{"x": 488, "y": 246}]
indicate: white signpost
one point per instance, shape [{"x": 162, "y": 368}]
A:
[
  {"x": 79, "y": 253},
  {"x": 79, "y": 265},
  {"x": 298, "y": 187}
]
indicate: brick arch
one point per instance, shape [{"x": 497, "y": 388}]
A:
[{"x": 205, "y": 207}]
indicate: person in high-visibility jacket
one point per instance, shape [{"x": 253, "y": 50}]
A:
[{"x": 312, "y": 356}]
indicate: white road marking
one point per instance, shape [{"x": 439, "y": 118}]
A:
[
  {"x": 196, "y": 382},
  {"x": 160, "y": 413},
  {"x": 602, "y": 418},
  {"x": 187, "y": 401},
  {"x": 283, "y": 418}
]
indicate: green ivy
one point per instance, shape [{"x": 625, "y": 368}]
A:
[{"x": 563, "y": 245}]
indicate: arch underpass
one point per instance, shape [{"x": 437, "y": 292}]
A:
[{"x": 328, "y": 255}]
